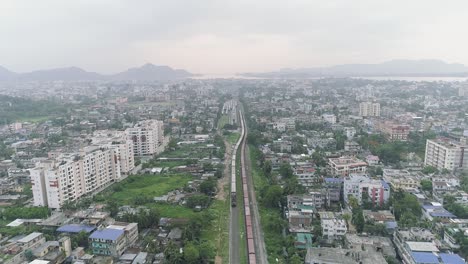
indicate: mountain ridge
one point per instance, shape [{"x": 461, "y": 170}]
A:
[
  {"x": 146, "y": 72},
  {"x": 388, "y": 68}
]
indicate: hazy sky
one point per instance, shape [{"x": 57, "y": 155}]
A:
[{"x": 224, "y": 36}]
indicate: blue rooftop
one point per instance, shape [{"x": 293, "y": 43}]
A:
[
  {"x": 385, "y": 184},
  {"x": 74, "y": 228},
  {"x": 425, "y": 258},
  {"x": 391, "y": 225},
  {"x": 443, "y": 214},
  {"x": 333, "y": 180},
  {"x": 451, "y": 258},
  {"x": 107, "y": 234}
]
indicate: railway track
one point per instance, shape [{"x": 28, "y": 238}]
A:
[{"x": 254, "y": 236}]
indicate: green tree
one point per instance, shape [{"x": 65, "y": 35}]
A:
[
  {"x": 198, "y": 200},
  {"x": 286, "y": 171},
  {"x": 429, "y": 170},
  {"x": 208, "y": 187},
  {"x": 296, "y": 259},
  {"x": 172, "y": 254},
  {"x": 207, "y": 251},
  {"x": 191, "y": 253},
  {"x": 426, "y": 185},
  {"x": 273, "y": 196},
  {"x": 358, "y": 219}
]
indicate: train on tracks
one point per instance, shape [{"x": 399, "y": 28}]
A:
[{"x": 252, "y": 259}]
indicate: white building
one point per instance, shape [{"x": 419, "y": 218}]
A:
[
  {"x": 369, "y": 109},
  {"x": 344, "y": 166},
  {"x": 333, "y": 228},
  {"x": 147, "y": 137},
  {"x": 329, "y": 118},
  {"x": 378, "y": 191},
  {"x": 446, "y": 154},
  {"x": 70, "y": 176},
  {"x": 350, "y": 132}
]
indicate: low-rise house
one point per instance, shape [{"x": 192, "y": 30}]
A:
[
  {"x": 109, "y": 242},
  {"x": 344, "y": 166},
  {"x": 435, "y": 210},
  {"x": 402, "y": 179},
  {"x": 372, "y": 160},
  {"x": 418, "y": 246},
  {"x": 360, "y": 186},
  {"x": 342, "y": 256}
]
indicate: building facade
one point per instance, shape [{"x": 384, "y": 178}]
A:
[
  {"x": 147, "y": 137},
  {"x": 70, "y": 176},
  {"x": 357, "y": 186},
  {"x": 444, "y": 153},
  {"x": 369, "y": 109},
  {"x": 345, "y": 166}
]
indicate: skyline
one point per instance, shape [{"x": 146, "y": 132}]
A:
[{"x": 229, "y": 37}]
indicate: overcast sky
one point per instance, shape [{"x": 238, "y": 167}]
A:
[{"x": 224, "y": 36}]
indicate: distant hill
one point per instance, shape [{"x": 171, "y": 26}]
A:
[
  {"x": 5, "y": 74},
  {"x": 151, "y": 72},
  {"x": 146, "y": 72},
  {"x": 389, "y": 68},
  {"x": 62, "y": 74}
]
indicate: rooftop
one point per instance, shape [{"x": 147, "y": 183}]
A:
[
  {"x": 75, "y": 228},
  {"x": 30, "y": 237},
  {"x": 422, "y": 246},
  {"x": 107, "y": 234}
]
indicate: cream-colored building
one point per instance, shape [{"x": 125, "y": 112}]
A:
[
  {"x": 147, "y": 137},
  {"x": 369, "y": 109},
  {"x": 344, "y": 166},
  {"x": 70, "y": 176},
  {"x": 447, "y": 154}
]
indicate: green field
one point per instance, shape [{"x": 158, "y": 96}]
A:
[
  {"x": 223, "y": 120},
  {"x": 218, "y": 232},
  {"x": 147, "y": 185},
  {"x": 232, "y": 138},
  {"x": 173, "y": 211}
]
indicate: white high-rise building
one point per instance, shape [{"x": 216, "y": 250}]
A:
[
  {"x": 70, "y": 176},
  {"x": 446, "y": 154},
  {"x": 147, "y": 137},
  {"x": 369, "y": 109}
]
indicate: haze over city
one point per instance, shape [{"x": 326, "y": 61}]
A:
[
  {"x": 233, "y": 132},
  {"x": 226, "y": 37}
]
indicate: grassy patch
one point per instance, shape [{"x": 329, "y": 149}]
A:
[
  {"x": 218, "y": 231},
  {"x": 223, "y": 120},
  {"x": 146, "y": 185},
  {"x": 232, "y": 138},
  {"x": 173, "y": 211}
]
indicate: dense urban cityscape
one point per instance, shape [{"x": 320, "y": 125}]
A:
[
  {"x": 329, "y": 170},
  {"x": 233, "y": 132}
]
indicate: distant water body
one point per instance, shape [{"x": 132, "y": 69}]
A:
[
  {"x": 377, "y": 78},
  {"x": 415, "y": 79}
]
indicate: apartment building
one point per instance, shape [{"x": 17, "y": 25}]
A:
[
  {"x": 378, "y": 191},
  {"x": 333, "y": 228},
  {"x": 393, "y": 131},
  {"x": 369, "y": 109},
  {"x": 345, "y": 166},
  {"x": 147, "y": 137},
  {"x": 444, "y": 153},
  {"x": 70, "y": 176},
  {"x": 109, "y": 242}
]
